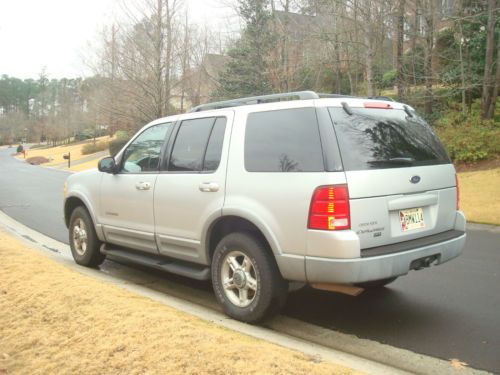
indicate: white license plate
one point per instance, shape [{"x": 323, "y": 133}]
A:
[{"x": 412, "y": 218}]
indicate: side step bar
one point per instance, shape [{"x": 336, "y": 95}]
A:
[{"x": 193, "y": 271}]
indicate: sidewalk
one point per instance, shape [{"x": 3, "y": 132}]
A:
[{"x": 56, "y": 320}]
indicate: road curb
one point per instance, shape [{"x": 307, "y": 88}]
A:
[{"x": 486, "y": 227}]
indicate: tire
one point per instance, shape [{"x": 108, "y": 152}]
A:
[
  {"x": 249, "y": 265},
  {"x": 376, "y": 284},
  {"x": 83, "y": 241}
]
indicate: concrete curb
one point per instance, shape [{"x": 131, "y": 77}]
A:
[
  {"x": 359, "y": 354},
  {"x": 486, "y": 227}
]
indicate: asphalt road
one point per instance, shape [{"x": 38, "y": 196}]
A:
[
  {"x": 452, "y": 311},
  {"x": 33, "y": 195}
]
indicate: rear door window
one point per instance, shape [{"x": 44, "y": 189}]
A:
[
  {"x": 198, "y": 145},
  {"x": 283, "y": 141},
  {"x": 385, "y": 138},
  {"x": 214, "y": 147}
]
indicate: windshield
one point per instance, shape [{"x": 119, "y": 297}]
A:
[{"x": 385, "y": 138}]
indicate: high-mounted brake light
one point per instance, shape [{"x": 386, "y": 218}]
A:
[
  {"x": 330, "y": 208},
  {"x": 458, "y": 192},
  {"x": 380, "y": 105}
]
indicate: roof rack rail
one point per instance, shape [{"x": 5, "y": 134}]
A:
[
  {"x": 297, "y": 95},
  {"x": 322, "y": 96}
]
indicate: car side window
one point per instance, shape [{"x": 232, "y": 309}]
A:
[
  {"x": 143, "y": 154},
  {"x": 283, "y": 141},
  {"x": 198, "y": 140}
]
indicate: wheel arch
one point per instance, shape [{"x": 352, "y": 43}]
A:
[
  {"x": 224, "y": 225},
  {"x": 75, "y": 200}
]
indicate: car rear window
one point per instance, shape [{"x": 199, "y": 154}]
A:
[{"x": 372, "y": 138}]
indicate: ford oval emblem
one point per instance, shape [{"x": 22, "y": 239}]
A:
[{"x": 415, "y": 179}]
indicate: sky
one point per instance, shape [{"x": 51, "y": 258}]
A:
[{"x": 55, "y": 34}]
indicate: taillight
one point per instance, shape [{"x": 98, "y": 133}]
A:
[
  {"x": 458, "y": 192},
  {"x": 330, "y": 208}
]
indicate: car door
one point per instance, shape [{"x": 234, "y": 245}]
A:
[
  {"x": 127, "y": 196},
  {"x": 189, "y": 193}
]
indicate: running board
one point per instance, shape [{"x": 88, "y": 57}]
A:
[{"x": 193, "y": 271}]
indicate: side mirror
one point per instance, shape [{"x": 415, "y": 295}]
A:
[{"x": 107, "y": 165}]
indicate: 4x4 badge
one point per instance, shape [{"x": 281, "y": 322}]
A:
[{"x": 415, "y": 179}]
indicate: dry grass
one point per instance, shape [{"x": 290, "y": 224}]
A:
[
  {"x": 55, "y": 154},
  {"x": 55, "y": 320},
  {"x": 480, "y": 196},
  {"x": 85, "y": 166}
]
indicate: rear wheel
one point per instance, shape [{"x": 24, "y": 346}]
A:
[
  {"x": 83, "y": 241},
  {"x": 246, "y": 279},
  {"x": 376, "y": 283}
]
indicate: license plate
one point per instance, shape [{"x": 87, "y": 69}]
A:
[{"x": 412, "y": 218}]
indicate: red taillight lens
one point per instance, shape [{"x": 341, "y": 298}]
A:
[
  {"x": 458, "y": 192},
  {"x": 330, "y": 208},
  {"x": 379, "y": 105}
]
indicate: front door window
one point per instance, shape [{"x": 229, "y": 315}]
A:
[{"x": 143, "y": 154}]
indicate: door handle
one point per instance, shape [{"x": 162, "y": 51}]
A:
[
  {"x": 143, "y": 186},
  {"x": 209, "y": 187}
]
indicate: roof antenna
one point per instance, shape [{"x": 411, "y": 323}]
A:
[
  {"x": 347, "y": 109},
  {"x": 407, "y": 110}
]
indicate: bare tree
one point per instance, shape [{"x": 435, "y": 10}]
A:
[
  {"x": 429, "y": 14},
  {"x": 399, "y": 51},
  {"x": 488, "y": 80}
]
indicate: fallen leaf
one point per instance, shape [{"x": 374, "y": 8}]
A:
[{"x": 457, "y": 364}]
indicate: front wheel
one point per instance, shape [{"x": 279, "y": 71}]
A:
[
  {"x": 246, "y": 279},
  {"x": 83, "y": 241}
]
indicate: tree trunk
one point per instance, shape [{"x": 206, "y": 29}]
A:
[
  {"x": 399, "y": 52},
  {"x": 170, "y": 9},
  {"x": 158, "y": 69},
  {"x": 369, "y": 47},
  {"x": 491, "y": 111},
  {"x": 488, "y": 84},
  {"x": 429, "y": 45},
  {"x": 462, "y": 70}
]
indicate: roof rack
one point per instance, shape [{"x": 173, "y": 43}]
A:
[
  {"x": 322, "y": 96},
  {"x": 296, "y": 95}
]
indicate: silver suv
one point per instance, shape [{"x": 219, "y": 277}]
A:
[{"x": 339, "y": 193}]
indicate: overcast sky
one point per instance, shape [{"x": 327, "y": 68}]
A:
[{"x": 53, "y": 34}]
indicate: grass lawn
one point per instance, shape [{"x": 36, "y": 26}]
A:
[
  {"x": 54, "y": 320},
  {"x": 480, "y": 195},
  {"x": 85, "y": 166},
  {"x": 55, "y": 154}
]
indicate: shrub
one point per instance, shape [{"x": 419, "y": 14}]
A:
[
  {"x": 120, "y": 134},
  {"x": 389, "y": 78},
  {"x": 91, "y": 148},
  {"x": 83, "y": 135},
  {"x": 116, "y": 145},
  {"x": 468, "y": 138},
  {"x": 20, "y": 148}
]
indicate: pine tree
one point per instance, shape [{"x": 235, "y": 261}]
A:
[{"x": 246, "y": 73}]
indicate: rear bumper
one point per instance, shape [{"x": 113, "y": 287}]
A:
[{"x": 347, "y": 271}]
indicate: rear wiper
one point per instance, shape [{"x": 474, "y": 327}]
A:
[{"x": 393, "y": 161}]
